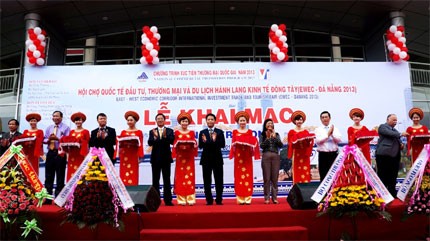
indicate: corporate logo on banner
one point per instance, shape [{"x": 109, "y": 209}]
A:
[
  {"x": 142, "y": 77},
  {"x": 263, "y": 74}
]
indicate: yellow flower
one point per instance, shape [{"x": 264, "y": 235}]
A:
[
  {"x": 94, "y": 157},
  {"x": 87, "y": 178},
  {"x": 102, "y": 168},
  {"x": 2, "y": 185},
  {"x": 368, "y": 202},
  {"x": 13, "y": 185},
  {"x": 97, "y": 172},
  {"x": 20, "y": 187},
  {"x": 102, "y": 174},
  {"x": 333, "y": 204},
  {"x": 3, "y": 173},
  {"x": 7, "y": 188},
  {"x": 94, "y": 167},
  {"x": 79, "y": 182},
  {"x": 28, "y": 191}
]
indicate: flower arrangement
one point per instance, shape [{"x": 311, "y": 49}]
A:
[
  {"x": 18, "y": 201},
  {"x": 419, "y": 202},
  {"x": 95, "y": 194},
  {"x": 353, "y": 199},
  {"x": 353, "y": 187}
]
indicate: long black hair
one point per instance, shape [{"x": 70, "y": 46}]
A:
[{"x": 263, "y": 133}]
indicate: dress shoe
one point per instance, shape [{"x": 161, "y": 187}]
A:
[
  {"x": 169, "y": 204},
  {"x": 275, "y": 201},
  {"x": 266, "y": 202}
]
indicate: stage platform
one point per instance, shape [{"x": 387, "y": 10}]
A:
[{"x": 230, "y": 221}]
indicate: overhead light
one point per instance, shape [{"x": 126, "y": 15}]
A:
[
  {"x": 232, "y": 8},
  {"x": 145, "y": 12},
  {"x": 105, "y": 18}
]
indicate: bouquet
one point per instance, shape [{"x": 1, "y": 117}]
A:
[
  {"x": 19, "y": 196},
  {"x": 95, "y": 194},
  {"x": 419, "y": 202}
]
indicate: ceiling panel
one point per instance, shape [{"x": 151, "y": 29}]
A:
[
  {"x": 10, "y": 8},
  {"x": 268, "y": 10},
  {"x": 420, "y": 7},
  {"x": 91, "y": 7}
]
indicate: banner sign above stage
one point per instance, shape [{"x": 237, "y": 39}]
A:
[{"x": 265, "y": 90}]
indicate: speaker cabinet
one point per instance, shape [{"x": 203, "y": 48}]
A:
[
  {"x": 145, "y": 198},
  {"x": 300, "y": 195}
]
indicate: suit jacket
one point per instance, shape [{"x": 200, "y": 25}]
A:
[
  {"x": 211, "y": 149},
  {"x": 9, "y": 138},
  {"x": 389, "y": 141},
  {"x": 108, "y": 143},
  {"x": 161, "y": 151}
]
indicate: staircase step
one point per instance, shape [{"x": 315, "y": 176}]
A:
[{"x": 260, "y": 233}]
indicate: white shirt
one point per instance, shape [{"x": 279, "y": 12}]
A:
[{"x": 324, "y": 142}]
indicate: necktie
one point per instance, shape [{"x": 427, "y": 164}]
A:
[
  {"x": 160, "y": 133},
  {"x": 52, "y": 144},
  {"x": 211, "y": 131}
]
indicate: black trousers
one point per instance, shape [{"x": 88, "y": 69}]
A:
[
  {"x": 325, "y": 160},
  {"x": 218, "y": 171},
  {"x": 388, "y": 169},
  {"x": 55, "y": 166},
  {"x": 163, "y": 168}
]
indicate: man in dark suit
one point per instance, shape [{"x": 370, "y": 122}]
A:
[
  {"x": 104, "y": 136},
  {"x": 8, "y": 137},
  {"x": 212, "y": 140},
  {"x": 388, "y": 153},
  {"x": 160, "y": 139}
]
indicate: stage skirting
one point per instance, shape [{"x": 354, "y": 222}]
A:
[{"x": 230, "y": 221}]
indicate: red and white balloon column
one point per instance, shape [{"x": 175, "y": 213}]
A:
[
  {"x": 278, "y": 43},
  {"x": 396, "y": 44},
  {"x": 36, "y": 44},
  {"x": 150, "y": 46}
]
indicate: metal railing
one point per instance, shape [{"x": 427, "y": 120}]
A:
[
  {"x": 420, "y": 74},
  {"x": 9, "y": 80}
]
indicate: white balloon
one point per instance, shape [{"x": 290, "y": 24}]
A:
[
  {"x": 32, "y": 47},
  {"x": 396, "y": 50},
  {"x": 281, "y": 56},
  {"x": 388, "y": 42},
  {"x": 402, "y": 39},
  {"x": 36, "y": 54},
  {"x": 272, "y": 45},
  {"x": 393, "y": 29},
  {"x": 154, "y": 29},
  {"x": 285, "y": 45},
  {"x": 145, "y": 40},
  {"x": 278, "y": 33},
  {"x": 274, "y": 27},
  {"x": 391, "y": 47},
  {"x": 43, "y": 43},
  {"x": 153, "y": 52},
  {"x": 403, "y": 54},
  {"x": 157, "y": 36},
  {"x": 276, "y": 50},
  {"x": 143, "y": 60},
  {"x": 40, "y": 61},
  {"x": 28, "y": 42},
  {"x": 398, "y": 34},
  {"x": 41, "y": 37},
  {"x": 143, "y": 35},
  {"x": 37, "y": 30},
  {"x": 149, "y": 46},
  {"x": 283, "y": 38},
  {"x": 155, "y": 60}
]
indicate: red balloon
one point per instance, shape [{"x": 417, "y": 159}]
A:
[
  {"x": 150, "y": 35},
  {"x": 396, "y": 57},
  {"x": 36, "y": 42},
  {"x": 32, "y": 36},
  {"x": 143, "y": 47},
  {"x": 32, "y": 60},
  {"x": 399, "y": 44},
  {"x": 407, "y": 57},
  {"x": 42, "y": 55},
  {"x": 284, "y": 50},
  {"x": 154, "y": 41},
  {"x": 279, "y": 44},
  {"x": 401, "y": 28},
  {"x": 282, "y": 27},
  {"x": 286, "y": 58},
  {"x": 43, "y": 32},
  {"x": 29, "y": 53},
  {"x": 271, "y": 33},
  {"x": 404, "y": 49},
  {"x": 274, "y": 38},
  {"x": 30, "y": 31},
  {"x": 145, "y": 29},
  {"x": 284, "y": 33},
  {"x": 40, "y": 48},
  {"x": 157, "y": 47},
  {"x": 145, "y": 52},
  {"x": 390, "y": 35},
  {"x": 394, "y": 40},
  {"x": 149, "y": 58}
]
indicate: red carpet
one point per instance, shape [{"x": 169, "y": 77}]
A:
[{"x": 235, "y": 222}]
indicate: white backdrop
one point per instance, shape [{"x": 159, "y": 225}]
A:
[{"x": 266, "y": 90}]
